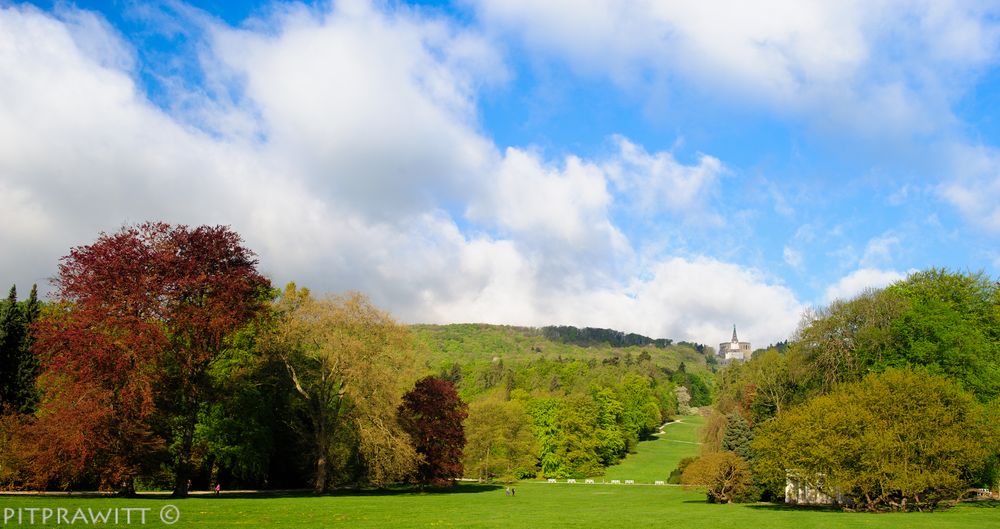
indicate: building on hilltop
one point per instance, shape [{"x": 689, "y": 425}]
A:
[{"x": 735, "y": 349}]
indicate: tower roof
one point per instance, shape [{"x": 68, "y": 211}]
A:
[{"x": 735, "y": 339}]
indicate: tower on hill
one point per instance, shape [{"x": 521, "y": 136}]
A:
[{"x": 735, "y": 349}]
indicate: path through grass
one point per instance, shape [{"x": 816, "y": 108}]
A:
[{"x": 656, "y": 458}]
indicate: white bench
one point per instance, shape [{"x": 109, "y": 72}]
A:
[
  {"x": 658, "y": 483},
  {"x": 589, "y": 482},
  {"x": 570, "y": 480},
  {"x": 630, "y": 482},
  {"x": 551, "y": 480},
  {"x": 616, "y": 482}
]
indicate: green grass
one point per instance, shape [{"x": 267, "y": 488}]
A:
[
  {"x": 656, "y": 458},
  {"x": 537, "y": 504}
]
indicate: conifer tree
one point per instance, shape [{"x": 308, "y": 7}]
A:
[{"x": 738, "y": 437}]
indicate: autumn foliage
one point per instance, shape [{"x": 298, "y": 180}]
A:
[{"x": 139, "y": 315}]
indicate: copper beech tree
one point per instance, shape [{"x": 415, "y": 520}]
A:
[
  {"x": 139, "y": 316},
  {"x": 432, "y": 413}
]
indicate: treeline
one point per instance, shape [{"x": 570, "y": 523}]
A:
[
  {"x": 888, "y": 401},
  {"x": 165, "y": 360},
  {"x": 591, "y": 336}
]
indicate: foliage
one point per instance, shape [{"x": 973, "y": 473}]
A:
[
  {"x": 590, "y": 336},
  {"x": 141, "y": 315},
  {"x": 348, "y": 363},
  {"x": 897, "y": 440},
  {"x": 500, "y": 442},
  {"x": 433, "y": 414},
  {"x": 725, "y": 476},
  {"x": 948, "y": 322},
  {"x": 675, "y": 474},
  {"x": 18, "y": 366},
  {"x": 738, "y": 437},
  {"x": 683, "y": 400}
]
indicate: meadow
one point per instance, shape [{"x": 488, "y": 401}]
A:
[{"x": 536, "y": 504}]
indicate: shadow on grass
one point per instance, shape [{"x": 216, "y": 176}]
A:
[
  {"x": 789, "y": 507},
  {"x": 463, "y": 488},
  {"x": 984, "y": 504},
  {"x": 774, "y": 506}
]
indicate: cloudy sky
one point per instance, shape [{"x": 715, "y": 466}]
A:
[{"x": 667, "y": 168}]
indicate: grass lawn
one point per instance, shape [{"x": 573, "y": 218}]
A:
[
  {"x": 536, "y": 505},
  {"x": 656, "y": 458}
]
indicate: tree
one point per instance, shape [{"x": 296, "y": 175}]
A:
[
  {"x": 897, "y": 440},
  {"x": 141, "y": 315},
  {"x": 500, "y": 443},
  {"x": 348, "y": 363},
  {"x": 738, "y": 437},
  {"x": 18, "y": 367},
  {"x": 948, "y": 322},
  {"x": 640, "y": 415},
  {"x": 725, "y": 476},
  {"x": 683, "y": 398},
  {"x": 433, "y": 414}
]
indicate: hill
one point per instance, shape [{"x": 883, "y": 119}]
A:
[{"x": 474, "y": 342}]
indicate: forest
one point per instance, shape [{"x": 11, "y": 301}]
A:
[{"x": 165, "y": 361}]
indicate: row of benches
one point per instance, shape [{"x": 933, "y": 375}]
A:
[{"x": 613, "y": 482}]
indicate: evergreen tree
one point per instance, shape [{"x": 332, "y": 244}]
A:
[
  {"x": 26, "y": 394},
  {"x": 11, "y": 336},
  {"x": 738, "y": 437}
]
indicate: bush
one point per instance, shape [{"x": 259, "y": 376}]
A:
[{"x": 725, "y": 476}]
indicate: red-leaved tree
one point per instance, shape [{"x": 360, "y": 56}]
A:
[
  {"x": 432, "y": 413},
  {"x": 141, "y": 315}
]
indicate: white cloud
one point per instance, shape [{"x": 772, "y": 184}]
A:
[
  {"x": 974, "y": 186},
  {"x": 857, "y": 281},
  {"x": 879, "y": 251},
  {"x": 351, "y": 160},
  {"x": 659, "y": 183},
  {"x": 873, "y": 67},
  {"x": 792, "y": 257}
]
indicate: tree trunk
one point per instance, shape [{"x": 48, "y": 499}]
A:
[
  {"x": 183, "y": 469},
  {"x": 321, "y": 473}
]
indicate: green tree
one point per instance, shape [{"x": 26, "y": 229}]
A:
[
  {"x": 898, "y": 440},
  {"x": 18, "y": 366},
  {"x": 610, "y": 427},
  {"x": 500, "y": 442},
  {"x": 349, "y": 364},
  {"x": 738, "y": 437}
]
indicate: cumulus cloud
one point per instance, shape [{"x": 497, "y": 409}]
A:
[
  {"x": 857, "y": 281},
  {"x": 349, "y": 157}
]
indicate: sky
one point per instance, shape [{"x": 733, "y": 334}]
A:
[{"x": 666, "y": 168}]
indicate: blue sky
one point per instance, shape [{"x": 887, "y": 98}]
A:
[{"x": 663, "y": 168}]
